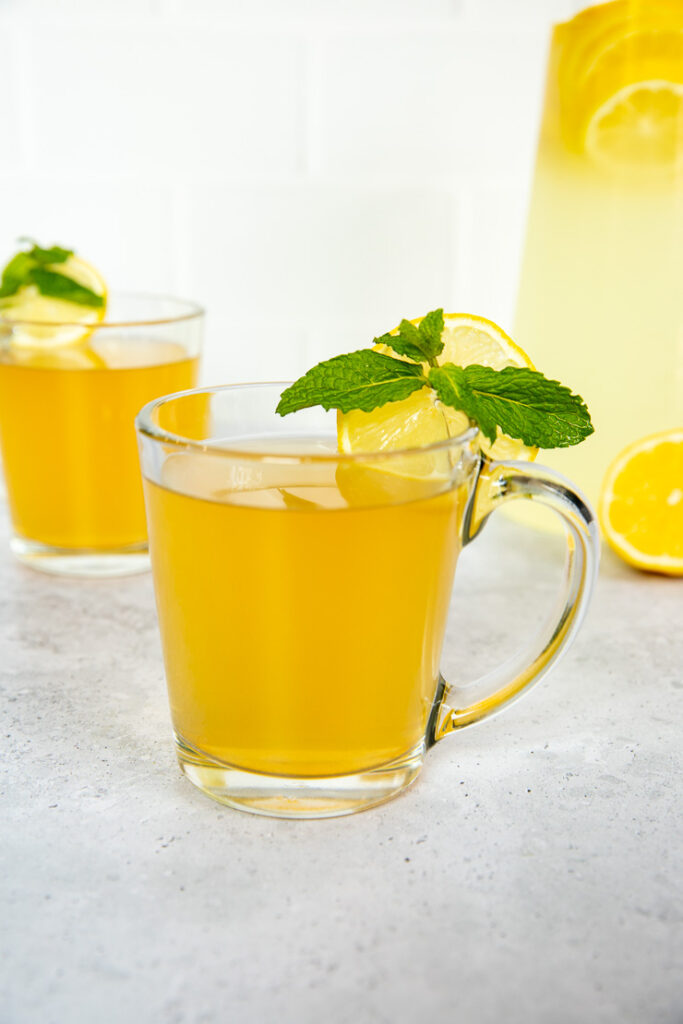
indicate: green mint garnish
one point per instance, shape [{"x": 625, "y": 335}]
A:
[
  {"x": 32, "y": 267},
  {"x": 16, "y": 274},
  {"x": 58, "y": 286},
  {"x": 55, "y": 254},
  {"x": 422, "y": 343},
  {"x": 360, "y": 380},
  {"x": 522, "y": 403}
]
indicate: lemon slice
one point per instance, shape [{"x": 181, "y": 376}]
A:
[
  {"x": 40, "y": 321},
  {"x": 639, "y": 129},
  {"x": 412, "y": 423},
  {"x": 68, "y": 357},
  {"x": 641, "y": 503},
  {"x": 620, "y": 78},
  {"x": 420, "y": 420}
]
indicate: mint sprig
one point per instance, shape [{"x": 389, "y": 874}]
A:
[
  {"x": 53, "y": 254},
  {"x": 33, "y": 267},
  {"x": 360, "y": 380},
  {"x": 519, "y": 402},
  {"x": 422, "y": 344},
  {"x": 59, "y": 286},
  {"x": 526, "y": 405}
]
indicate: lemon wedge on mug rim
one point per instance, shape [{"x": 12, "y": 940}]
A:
[
  {"x": 41, "y": 322},
  {"x": 420, "y": 419}
]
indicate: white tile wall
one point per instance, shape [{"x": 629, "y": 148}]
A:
[
  {"x": 516, "y": 11},
  {"x": 440, "y": 103},
  {"x": 312, "y": 170},
  {"x": 11, "y": 149},
  {"x": 326, "y": 252},
  {"x": 316, "y": 11},
  {"x": 176, "y": 104},
  {"x": 124, "y": 227},
  {"x": 493, "y": 227}
]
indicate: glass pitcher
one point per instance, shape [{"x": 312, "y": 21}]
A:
[{"x": 601, "y": 292}]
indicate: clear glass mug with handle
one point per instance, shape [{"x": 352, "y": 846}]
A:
[
  {"x": 303, "y": 594},
  {"x": 68, "y": 399}
]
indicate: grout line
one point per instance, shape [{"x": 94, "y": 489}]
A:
[
  {"x": 367, "y": 183},
  {"x": 313, "y": 110},
  {"x": 178, "y": 236},
  {"x": 20, "y": 65},
  {"x": 462, "y": 230}
]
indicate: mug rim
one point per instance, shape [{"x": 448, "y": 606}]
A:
[
  {"x": 145, "y": 427},
  {"x": 190, "y": 310}
]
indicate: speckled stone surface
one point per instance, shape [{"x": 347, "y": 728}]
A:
[{"x": 533, "y": 874}]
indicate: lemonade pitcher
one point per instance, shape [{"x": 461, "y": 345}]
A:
[{"x": 601, "y": 298}]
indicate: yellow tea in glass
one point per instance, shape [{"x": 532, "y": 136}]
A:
[
  {"x": 69, "y": 394},
  {"x": 600, "y": 298},
  {"x": 303, "y": 596}
]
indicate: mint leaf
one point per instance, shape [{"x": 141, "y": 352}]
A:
[
  {"x": 431, "y": 329},
  {"x": 515, "y": 401},
  {"x": 59, "y": 286},
  {"x": 16, "y": 274},
  {"x": 405, "y": 343},
  {"x": 526, "y": 405},
  {"x": 360, "y": 380},
  {"x": 31, "y": 267},
  {"x": 55, "y": 254},
  {"x": 422, "y": 343},
  {"x": 449, "y": 383}
]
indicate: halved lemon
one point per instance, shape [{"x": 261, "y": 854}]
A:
[
  {"x": 641, "y": 503},
  {"x": 39, "y": 321},
  {"x": 420, "y": 420}
]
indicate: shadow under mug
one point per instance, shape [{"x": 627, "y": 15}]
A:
[{"x": 303, "y": 596}]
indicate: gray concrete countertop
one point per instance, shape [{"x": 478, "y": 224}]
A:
[{"x": 533, "y": 874}]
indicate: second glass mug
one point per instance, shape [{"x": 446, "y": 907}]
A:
[
  {"x": 303, "y": 595},
  {"x": 66, "y": 429}
]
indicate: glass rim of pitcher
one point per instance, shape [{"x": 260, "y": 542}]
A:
[
  {"x": 190, "y": 310},
  {"x": 144, "y": 424}
]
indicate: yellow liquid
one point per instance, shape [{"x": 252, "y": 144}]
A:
[
  {"x": 601, "y": 303},
  {"x": 68, "y": 441},
  {"x": 301, "y": 635}
]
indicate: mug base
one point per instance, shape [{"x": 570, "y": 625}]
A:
[
  {"x": 81, "y": 562},
  {"x": 279, "y": 796}
]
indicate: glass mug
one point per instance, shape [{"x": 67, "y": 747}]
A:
[
  {"x": 66, "y": 430},
  {"x": 303, "y": 594}
]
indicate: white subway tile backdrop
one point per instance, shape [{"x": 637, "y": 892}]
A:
[{"x": 310, "y": 170}]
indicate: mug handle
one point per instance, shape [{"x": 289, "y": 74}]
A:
[{"x": 458, "y": 705}]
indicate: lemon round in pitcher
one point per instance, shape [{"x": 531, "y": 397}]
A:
[
  {"x": 639, "y": 129},
  {"x": 621, "y": 86},
  {"x": 50, "y": 298}
]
